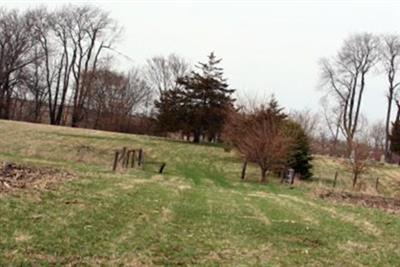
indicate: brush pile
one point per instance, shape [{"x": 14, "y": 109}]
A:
[{"x": 17, "y": 177}]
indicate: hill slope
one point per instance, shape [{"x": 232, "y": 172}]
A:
[{"x": 196, "y": 213}]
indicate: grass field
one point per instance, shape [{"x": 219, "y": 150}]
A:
[{"x": 196, "y": 213}]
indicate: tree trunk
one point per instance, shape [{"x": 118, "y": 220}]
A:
[
  {"x": 349, "y": 146},
  {"x": 7, "y": 109},
  {"x": 196, "y": 137},
  {"x": 76, "y": 117},
  {"x": 263, "y": 175},
  {"x": 355, "y": 178},
  {"x": 387, "y": 126}
]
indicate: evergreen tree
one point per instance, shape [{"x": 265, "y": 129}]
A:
[
  {"x": 199, "y": 104},
  {"x": 275, "y": 110},
  {"x": 300, "y": 157},
  {"x": 171, "y": 116}
]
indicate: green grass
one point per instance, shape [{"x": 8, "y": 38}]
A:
[{"x": 197, "y": 213}]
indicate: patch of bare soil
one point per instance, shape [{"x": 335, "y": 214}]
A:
[
  {"x": 14, "y": 177},
  {"x": 388, "y": 204}
]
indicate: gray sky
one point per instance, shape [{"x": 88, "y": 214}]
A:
[{"x": 268, "y": 47}]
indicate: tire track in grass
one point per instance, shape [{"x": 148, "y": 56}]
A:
[
  {"x": 347, "y": 217},
  {"x": 199, "y": 172},
  {"x": 297, "y": 209}
]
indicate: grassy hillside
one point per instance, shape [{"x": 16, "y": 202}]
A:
[{"x": 196, "y": 213}]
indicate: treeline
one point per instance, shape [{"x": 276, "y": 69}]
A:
[
  {"x": 58, "y": 67},
  {"x": 50, "y": 58}
]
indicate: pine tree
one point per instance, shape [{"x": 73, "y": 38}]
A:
[
  {"x": 199, "y": 104},
  {"x": 300, "y": 157},
  {"x": 275, "y": 109},
  {"x": 171, "y": 117}
]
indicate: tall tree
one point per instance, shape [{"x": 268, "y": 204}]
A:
[
  {"x": 390, "y": 60},
  {"x": 91, "y": 30},
  {"x": 198, "y": 105},
  {"x": 33, "y": 82},
  {"x": 17, "y": 42},
  {"x": 58, "y": 59},
  {"x": 345, "y": 78},
  {"x": 72, "y": 40}
]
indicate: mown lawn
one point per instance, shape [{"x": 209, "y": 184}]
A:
[{"x": 196, "y": 213}]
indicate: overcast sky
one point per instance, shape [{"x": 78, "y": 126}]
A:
[{"x": 268, "y": 47}]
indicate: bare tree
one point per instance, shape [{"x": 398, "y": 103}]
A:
[
  {"x": 358, "y": 160},
  {"x": 91, "y": 30},
  {"x": 390, "y": 60},
  {"x": 115, "y": 97},
  {"x": 345, "y": 78},
  {"x": 307, "y": 119},
  {"x": 332, "y": 117},
  {"x": 162, "y": 72},
  {"x": 59, "y": 58},
  {"x": 259, "y": 136},
  {"x": 34, "y": 83},
  {"x": 17, "y": 41},
  {"x": 377, "y": 135},
  {"x": 71, "y": 40}
]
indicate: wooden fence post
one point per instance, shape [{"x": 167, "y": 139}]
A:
[
  {"x": 115, "y": 160},
  {"x": 128, "y": 155},
  {"x": 162, "y": 168},
  {"x": 122, "y": 157},
  {"x": 140, "y": 157},
  {"x": 334, "y": 180},
  {"x": 376, "y": 184},
  {"x": 133, "y": 158},
  {"x": 244, "y": 170},
  {"x": 142, "y": 160}
]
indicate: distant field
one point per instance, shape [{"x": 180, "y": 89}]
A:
[{"x": 196, "y": 213}]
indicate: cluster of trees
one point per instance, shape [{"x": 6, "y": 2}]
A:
[
  {"x": 344, "y": 78},
  {"x": 48, "y": 58},
  {"x": 197, "y": 104},
  {"x": 265, "y": 135},
  {"x": 58, "y": 67},
  {"x": 200, "y": 105}
]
